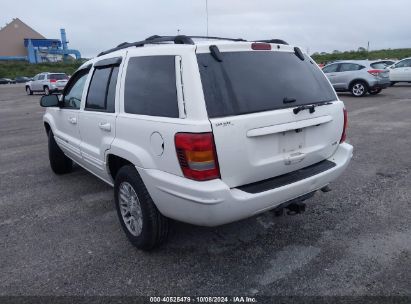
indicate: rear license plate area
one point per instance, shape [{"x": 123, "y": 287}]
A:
[{"x": 292, "y": 141}]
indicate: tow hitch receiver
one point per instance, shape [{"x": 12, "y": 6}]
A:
[{"x": 295, "y": 206}]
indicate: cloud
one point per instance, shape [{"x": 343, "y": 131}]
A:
[{"x": 317, "y": 25}]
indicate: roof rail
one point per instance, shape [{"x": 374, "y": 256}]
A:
[
  {"x": 180, "y": 39},
  {"x": 277, "y": 41},
  {"x": 217, "y": 38}
]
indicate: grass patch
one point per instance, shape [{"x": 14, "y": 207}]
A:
[
  {"x": 12, "y": 69},
  {"x": 362, "y": 55}
]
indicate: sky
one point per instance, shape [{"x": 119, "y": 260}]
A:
[{"x": 316, "y": 25}]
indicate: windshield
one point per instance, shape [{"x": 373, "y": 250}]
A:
[{"x": 249, "y": 82}]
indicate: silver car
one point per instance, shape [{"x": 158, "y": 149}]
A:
[
  {"x": 358, "y": 76},
  {"x": 47, "y": 83}
]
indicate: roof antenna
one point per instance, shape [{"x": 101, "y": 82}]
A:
[{"x": 207, "y": 15}]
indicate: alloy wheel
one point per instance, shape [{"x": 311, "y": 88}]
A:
[
  {"x": 358, "y": 89},
  {"x": 130, "y": 208}
]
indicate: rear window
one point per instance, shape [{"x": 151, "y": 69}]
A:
[
  {"x": 249, "y": 82},
  {"x": 57, "y": 76},
  {"x": 379, "y": 65}
]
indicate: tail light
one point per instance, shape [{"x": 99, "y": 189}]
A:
[
  {"x": 375, "y": 73},
  {"x": 53, "y": 80},
  {"x": 261, "y": 46},
  {"x": 197, "y": 155},
  {"x": 344, "y": 133}
]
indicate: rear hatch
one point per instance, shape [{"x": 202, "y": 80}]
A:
[
  {"x": 379, "y": 70},
  {"x": 250, "y": 98},
  {"x": 59, "y": 79}
]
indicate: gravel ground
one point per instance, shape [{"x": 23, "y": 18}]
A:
[{"x": 59, "y": 235}]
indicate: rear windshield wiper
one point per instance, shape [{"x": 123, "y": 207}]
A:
[{"x": 310, "y": 107}]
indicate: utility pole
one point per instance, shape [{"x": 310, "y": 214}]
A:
[
  {"x": 368, "y": 46},
  {"x": 207, "y": 15}
]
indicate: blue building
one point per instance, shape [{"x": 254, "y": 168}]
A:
[{"x": 18, "y": 41}]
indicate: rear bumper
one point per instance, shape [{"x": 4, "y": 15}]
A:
[
  {"x": 213, "y": 203},
  {"x": 380, "y": 84},
  {"x": 56, "y": 89}
]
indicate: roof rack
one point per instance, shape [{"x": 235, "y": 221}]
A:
[{"x": 180, "y": 39}]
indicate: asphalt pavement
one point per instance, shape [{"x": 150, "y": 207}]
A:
[{"x": 60, "y": 235}]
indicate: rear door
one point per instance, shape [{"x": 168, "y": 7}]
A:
[
  {"x": 250, "y": 97},
  {"x": 37, "y": 81},
  {"x": 346, "y": 73},
  {"x": 331, "y": 72},
  {"x": 97, "y": 120},
  {"x": 407, "y": 70}
]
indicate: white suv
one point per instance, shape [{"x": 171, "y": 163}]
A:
[{"x": 204, "y": 131}]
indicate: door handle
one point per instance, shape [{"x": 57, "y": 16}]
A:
[
  {"x": 294, "y": 158},
  {"x": 72, "y": 120},
  {"x": 105, "y": 126}
]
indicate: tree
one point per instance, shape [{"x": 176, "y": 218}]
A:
[
  {"x": 361, "y": 49},
  {"x": 336, "y": 52}
]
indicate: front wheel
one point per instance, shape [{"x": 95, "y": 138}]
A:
[
  {"x": 59, "y": 162},
  {"x": 375, "y": 91},
  {"x": 140, "y": 219},
  {"x": 358, "y": 89},
  {"x": 29, "y": 91}
]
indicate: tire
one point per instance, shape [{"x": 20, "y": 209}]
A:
[
  {"x": 59, "y": 162},
  {"x": 392, "y": 83},
  {"x": 46, "y": 91},
  {"x": 147, "y": 228},
  {"x": 358, "y": 88},
  {"x": 375, "y": 91},
  {"x": 29, "y": 91}
]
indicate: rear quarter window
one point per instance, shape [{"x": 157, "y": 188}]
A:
[
  {"x": 150, "y": 86},
  {"x": 249, "y": 82}
]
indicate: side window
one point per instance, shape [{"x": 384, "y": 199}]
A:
[
  {"x": 74, "y": 90},
  {"x": 36, "y": 77},
  {"x": 41, "y": 77},
  {"x": 111, "y": 92},
  {"x": 346, "y": 67},
  {"x": 102, "y": 90},
  {"x": 331, "y": 68},
  {"x": 407, "y": 63},
  {"x": 150, "y": 87},
  {"x": 403, "y": 64}
]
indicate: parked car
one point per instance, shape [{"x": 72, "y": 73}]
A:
[
  {"x": 206, "y": 132},
  {"x": 5, "y": 81},
  {"x": 357, "y": 77},
  {"x": 401, "y": 71},
  {"x": 21, "y": 79},
  {"x": 47, "y": 83}
]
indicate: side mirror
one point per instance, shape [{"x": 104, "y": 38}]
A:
[{"x": 49, "y": 101}]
